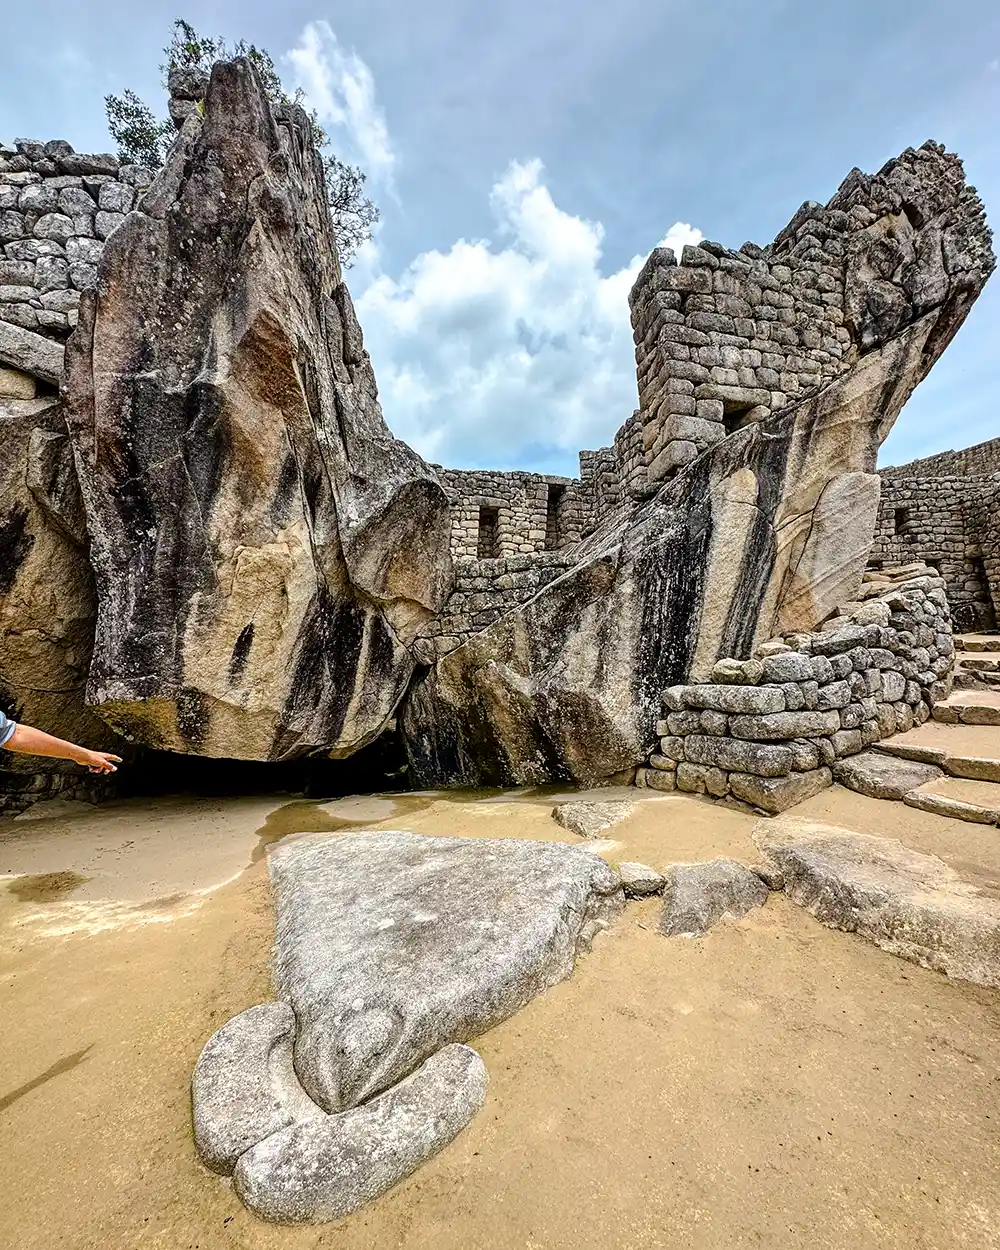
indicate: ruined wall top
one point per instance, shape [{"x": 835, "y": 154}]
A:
[
  {"x": 726, "y": 338},
  {"x": 982, "y": 458}
]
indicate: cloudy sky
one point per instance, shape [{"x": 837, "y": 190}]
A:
[{"x": 527, "y": 156}]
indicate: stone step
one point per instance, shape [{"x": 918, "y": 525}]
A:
[
  {"x": 970, "y": 767},
  {"x": 977, "y": 642},
  {"x": 975, "y": 801},
  {"x": 969, "y": 707}
]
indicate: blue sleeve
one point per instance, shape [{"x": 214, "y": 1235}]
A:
[{"x": 7, "y": 727}]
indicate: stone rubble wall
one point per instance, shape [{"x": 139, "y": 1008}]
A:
[
  {"x": 484, "y": 591},
  {"x": 726, "y": 338},
  {"x": 949, "y": 522},
  {"x": 19, "y": 791},
  {"x": 976, "y": 461},
  {"x": 57, "y": 208},
  {"x": 767, "y": 730},
  {"x": 521, "y": 500}
]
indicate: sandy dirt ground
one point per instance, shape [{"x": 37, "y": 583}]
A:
[{"x": 772, "y": 1084}]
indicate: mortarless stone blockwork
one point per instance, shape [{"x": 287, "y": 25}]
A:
[
  {"x": 768, "y": 730},
  {"x": 57, "y": 208},
  {"x": 943, "y": 510},
  {"x": 726, "y": 338},
  {"x": 758, "y": 522}
]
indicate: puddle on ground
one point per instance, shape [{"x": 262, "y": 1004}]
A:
[
  {"x": 360, "y": 811},
  {"x": 45, "y": 887}
]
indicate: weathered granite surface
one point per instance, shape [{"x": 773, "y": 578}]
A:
[
  {"x": 910, "y": 904},
  {"x": 697, "y": 896},
  {"x": 369, "y": 927},
  {"x": 322, "y": 1169},
  {"x": 590, "y": 819},
  {"x": 391, "y": 950},
  {"x": 264, "y": 550},
  {"x": 47, "y": 598}
]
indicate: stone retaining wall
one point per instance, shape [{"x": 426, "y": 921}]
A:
[
  {"x": 485, "y": 590},
  {"x": 19, "y": 791},
  {"x": 767, "y": 730},
  {"x": 57, "y": 207},
  {"x": 534, "y": 512}
]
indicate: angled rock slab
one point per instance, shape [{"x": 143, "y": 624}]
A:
[
  {"x": 910, "y": 904},
  {"x": 589, "y": 820},
  {"x": 323, "y": 1169},
  {"x": 882, "y": 776},
  {"x": 391, "y": 945},
  {"x": 264, "y": 550},
  {"x": 697, "y": 896}
]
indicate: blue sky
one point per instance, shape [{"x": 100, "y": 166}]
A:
[{"x": 528, "y": 155}]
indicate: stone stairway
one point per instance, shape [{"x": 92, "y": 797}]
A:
[
  {"x": 949, "y": 766},
  {"x": 977, "y": 661}
]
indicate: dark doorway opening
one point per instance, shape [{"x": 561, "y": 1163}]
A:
[
  {"x": 553, "y": 534},
  {"x": 901, "y": 521},
  {"x": 488, "y": 547}
]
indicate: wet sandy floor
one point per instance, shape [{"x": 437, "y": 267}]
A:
[{"x": 772, "y": 1084}]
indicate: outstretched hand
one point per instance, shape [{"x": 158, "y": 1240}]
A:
[{"x": 98, "y": 761}]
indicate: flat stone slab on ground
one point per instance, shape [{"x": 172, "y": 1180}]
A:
[
  {"x": 697, "y": 896},
  {"x": 882, "y": 776},
  {"x": 908, "y": 903},
  {"x": 390, "y": 945},
  {"x": 391, "y": 950},
  {"x": 591, "y": 819}
]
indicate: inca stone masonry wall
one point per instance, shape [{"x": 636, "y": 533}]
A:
[
  {"x": 768, "y": 730},
  {"x": 484, "y": 591},
  {"x": 949, "y": 523},
  {"x": 56, "y": 209},
  {"x": 495, "y": 514},
  {"x": 976, "y": 461},
  {"x": 726, "y": 338}
]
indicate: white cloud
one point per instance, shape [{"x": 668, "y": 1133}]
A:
[
  {"x": 495, "y": 356},
  {"x": 341, "y": 88}
]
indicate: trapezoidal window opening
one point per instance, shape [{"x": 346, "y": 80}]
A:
[
  {"x": 736, "y": 415},
  {"x": 488, "y": 547},
  {"x": 553, "y": 536},
  {"x": 901, "y": 520}
]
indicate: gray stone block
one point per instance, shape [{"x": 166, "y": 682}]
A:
[
  {"x": 732, "y": 753},
  {"x": 777, "y": 725},
  {"x": 697, "y": 896},
  {"x": 777, "y": 794},
  {"x": 321, "y": 1170}
]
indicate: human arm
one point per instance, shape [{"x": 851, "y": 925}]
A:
[{"x": 29, "y": 741}]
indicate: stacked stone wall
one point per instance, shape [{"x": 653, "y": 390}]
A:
[
  {"x": 57, "y": 208},
  {"x": 521, "y": 501},
  {"x": 485, "y": 590},
  {"x": 726, "y": 338},
  {"x": 21, "y": 790},
  {"x": 942, "y": 521},
  {"x": 600, "y": 486},
  {"x": 976, "y": 461},
  {"x": 768, "y": 730}
]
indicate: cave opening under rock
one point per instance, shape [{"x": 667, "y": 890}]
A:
[{"x": 380, "y": 766}]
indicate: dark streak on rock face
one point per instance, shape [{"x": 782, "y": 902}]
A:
[
  {"x": 235, "y": 464},
  {"x": 241, "y": 653},
  {"x": 15, "y": 545}
]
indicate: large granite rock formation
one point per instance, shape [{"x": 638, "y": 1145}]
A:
[
  {"x": 766, "y": 523},
  {"x": 264, "y": 550},
  {"x": 391, "y": 951}
]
